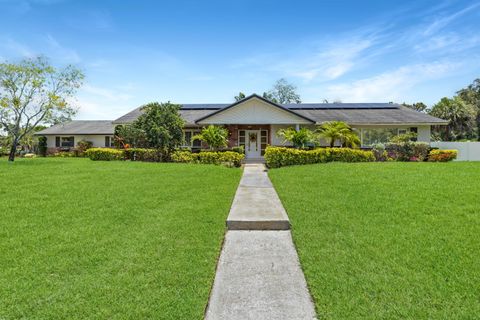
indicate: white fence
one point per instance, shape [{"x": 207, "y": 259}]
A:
[{"x": 467, "y": 151}]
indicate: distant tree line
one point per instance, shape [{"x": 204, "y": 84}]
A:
[{"x": 462, "y": 112}]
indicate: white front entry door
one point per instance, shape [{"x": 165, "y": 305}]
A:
[{"x": 252, "y": 144}]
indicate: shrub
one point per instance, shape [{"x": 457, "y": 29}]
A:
[
  {"x": 42, "y": 146},
  {"x": 147, "y": 155},
  {"x": 239, "y": 149},
  {"x": 437, "y": 155},
  {"x": 63, "y": 154},
  {"x": 379, "y": 152},
  {"x": 228, "y": 158},
  {"x": 407, "y": 151},
  {"x": 83, "y": 146},
  {"x": 104, "y": 154},
  {"x": 280, "y": 156}
]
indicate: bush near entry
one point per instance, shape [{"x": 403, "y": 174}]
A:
[{"x": 277, "y": 157}]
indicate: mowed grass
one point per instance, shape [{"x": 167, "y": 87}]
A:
[
  {"x": 387, "y": 240},
  {"x": 110, "y": 240}
]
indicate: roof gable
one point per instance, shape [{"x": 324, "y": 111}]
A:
[{"x": 254, "y": 110}]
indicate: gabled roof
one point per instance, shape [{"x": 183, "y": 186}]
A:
[
  {"x": 93, "y": 127},
  {"x": 353, "y": 113},
  {"x": 255, "y": 96}
]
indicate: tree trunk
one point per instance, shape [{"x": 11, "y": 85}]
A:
[{"x": 13, "y": 150}]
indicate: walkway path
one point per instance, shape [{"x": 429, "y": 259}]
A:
[{"x": 258, "y": 275}]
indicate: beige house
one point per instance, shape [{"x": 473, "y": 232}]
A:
[{"x": 254, "y": 121}]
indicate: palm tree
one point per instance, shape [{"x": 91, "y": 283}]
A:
[
  {"x": 338, "y": 131},
  {"x": 299, "y": 138},
  {"x": 216, "y": 137}
]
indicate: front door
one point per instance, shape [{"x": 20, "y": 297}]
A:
[{"x": 252, "y": 144}]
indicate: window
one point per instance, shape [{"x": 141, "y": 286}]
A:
[
  {"x": 263, "y": 141},
  {"x": 67, "y": 142},
  {"x": 57, "y": 142},
  {"x": 187, "y": 137},
  {"x": 241, "y": 138},
  {"x": 402, "y": 131},
  {"x": 380, "y": 135},
  {"x": 109, "y": 141}
]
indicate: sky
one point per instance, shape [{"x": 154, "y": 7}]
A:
[{"x": 135, "y": 52}]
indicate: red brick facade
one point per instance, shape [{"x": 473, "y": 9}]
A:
[{"x": 233, "y": 132}]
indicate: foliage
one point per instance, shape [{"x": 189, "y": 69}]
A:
[
  {"x": 239, "y": 149},
  {"x": 299, "y": 139},
  {"x": 240, "y": 96},
  {"x": 338, "y": 131},
  {"x": 276, "y": 157},
  {"x": 215, "y": 137},
  {"x": 407, "y": 151},
  {"x": 461, "y": 118},
  {"x": 128, "y": 135},
  {"x": 104, "y": 154},
  {"x": 146, "y": 155},
  {"x": 437, "y": 155},
  {"x": 405, "y": 137},
  {"x": 471, "y": 96},
  {"x": 283, "y": 92},
  {"x": 42, "y": 146},
  {"x": 33, "y": 92},
  {"x": 162, "y": 125},
  {"x": 419, "y": 106},
  {"x": 379, "y": 152},
  {"x": 227, "y": 158},
  {"x": 84, "y": 145}
]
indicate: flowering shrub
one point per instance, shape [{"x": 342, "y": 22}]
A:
[
  {"x": 437, "y": 155},
  {"x": 407, "y": 151},
  {"x": 276, "y": 157}
]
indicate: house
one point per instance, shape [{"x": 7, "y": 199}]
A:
[{"x": 254, "y": 121}]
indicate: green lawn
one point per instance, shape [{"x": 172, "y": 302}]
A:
[
  {"x": 387, "y": 240},
  {"x": 116, "y": 240}
]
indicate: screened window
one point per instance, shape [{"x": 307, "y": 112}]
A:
[
  {"x": 187, "y": 137},
  {"x": 263, "y": 141},
  {"x": 371, "y": 136},
  {"x": 241, "y": 138},
  {"x": 109, "y": 141},
  {"x": 67, "y": 142}
]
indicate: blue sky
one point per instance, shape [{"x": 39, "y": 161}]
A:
[{"x": 134, "y": 52}]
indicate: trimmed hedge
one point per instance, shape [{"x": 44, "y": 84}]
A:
[
  {"x": 228, "y": 158},
  {"x": 437, "y": 155},
  {"x": 277, "y": 157},
  {"x": 104, "y": 154},
  {"x": 147, "y": 155},
  {"x": 407, "y": 151}
]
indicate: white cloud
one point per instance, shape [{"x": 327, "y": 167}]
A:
[
  {"x": 62, "y": 53},
  {"x": 444, "y": 21},
  {"x": 18, "y": 48},
  {"x": 390, "y": 86},
  {"x": 104, "y": 93}
]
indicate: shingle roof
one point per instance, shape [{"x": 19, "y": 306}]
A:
[
  {"x": 81, "y": 127},
  {"x": 352, "y": 113},
  {"x": 364, "y": 116}
]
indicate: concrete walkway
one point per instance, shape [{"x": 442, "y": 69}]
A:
[
  {"x": 256, "y": 205},
  {"x": 258, "y": 274}
]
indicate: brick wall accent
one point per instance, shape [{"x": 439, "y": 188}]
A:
[{"x": 233, "y": 131}]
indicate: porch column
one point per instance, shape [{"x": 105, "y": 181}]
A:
[{"x": 297, "y": 127}]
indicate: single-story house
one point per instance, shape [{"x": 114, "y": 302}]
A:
[{"x": 254, "y": 121}]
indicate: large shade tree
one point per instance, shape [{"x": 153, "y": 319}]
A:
[
  {"x": 162, "y": 126},
  {"x": 282, "y": 92},
  {"x": 32, "y": 93},
  {"x": 471, "y": 95},
  {"x": 460, "y": 116}
]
